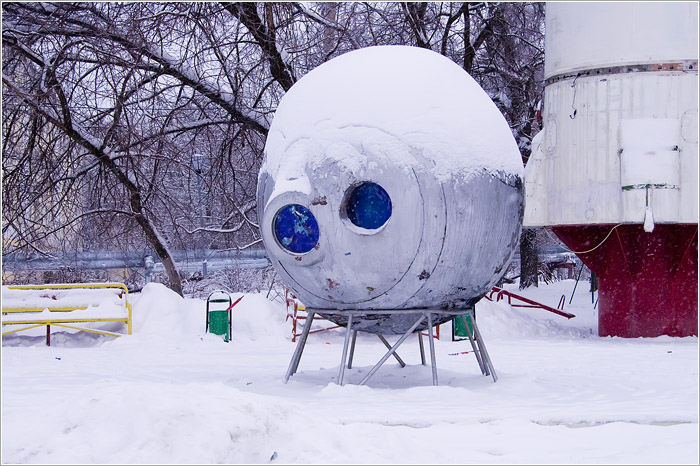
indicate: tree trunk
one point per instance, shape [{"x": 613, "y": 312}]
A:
[
  {"x": 331, "y": 12},
  {"x": 137, "y": 209},
  {"x": 158, "y": 244},
  {"x": 247, "y": 13},
  {"x": 528, "y": 258}
]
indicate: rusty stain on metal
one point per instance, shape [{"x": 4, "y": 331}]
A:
[
  {"x": 321, "y": 200},
  {"x": 331, "y": 283}
]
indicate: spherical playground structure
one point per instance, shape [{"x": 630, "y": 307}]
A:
[{"x": 391, "y": 181}]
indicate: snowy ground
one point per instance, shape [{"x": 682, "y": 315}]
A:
[{"x": 171, "y": 394}]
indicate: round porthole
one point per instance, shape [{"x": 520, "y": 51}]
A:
[
  {"x": 296, "y": 229},
  {"x": 368, "y": 206}
]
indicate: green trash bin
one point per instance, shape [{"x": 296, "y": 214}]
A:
[
  {"x": 219, "y": 314},
  {"x": 458, "y": 329}
]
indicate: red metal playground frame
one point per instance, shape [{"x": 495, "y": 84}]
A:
[{"x": 510, "y": 296}]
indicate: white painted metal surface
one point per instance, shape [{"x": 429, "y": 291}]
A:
[
  {"x": 584, "y": 35},
  {"x": 579, "y": 164},
  {"x": 453, "y": 227}
]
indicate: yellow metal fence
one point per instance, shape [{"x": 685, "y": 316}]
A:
[{"x": 33, "y": 316}]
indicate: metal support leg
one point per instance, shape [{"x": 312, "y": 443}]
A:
[
  {"x": 352, "y": 348},
  {"x": 392, "y": 350},
  {"x": 48, "y": 335},
  {"x": 388, "y": 346},
  {"x": 341, "y": 374},
  {"x": 475, "y": 348},
  {"x": 432, "y": 348},
  {"x": 475, "y": 340},
  {"x": 422, "y": 350},
  {"x": 296, "y": 357},
  {"x": 484, "y": 353}
]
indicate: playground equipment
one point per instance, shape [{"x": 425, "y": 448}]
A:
[
  {"x": 395, "y": 205},
  {"x": 297, "y": 312},
  {"x": 58, "y": 305}
]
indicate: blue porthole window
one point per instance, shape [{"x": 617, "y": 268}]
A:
[
  {"x": 368, "y": 206},
  {"x": 296, "y": 229}
]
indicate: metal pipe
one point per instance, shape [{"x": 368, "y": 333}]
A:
[
  {"x": 296, "y": 357},
  {"x": 392, "y": 350},
  {"x": 352, "y": 348},
  {"x": 576, "y": 283},
  {"x": 487, "y": 358},
  {"x": 341, "y": 375},
  {"x": 422, "y": 350},
  {"x": 510, "y": 295},
  {"x": 363, "y": 312},
  {"x": 477, "y": 353},
  {"x": 197, "y": 162},
  {"x": 432, "y": 348},
  {"x": 388, "y": 346}
]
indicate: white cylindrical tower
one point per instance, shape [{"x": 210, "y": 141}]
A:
[{"x": 619, "y": 151}]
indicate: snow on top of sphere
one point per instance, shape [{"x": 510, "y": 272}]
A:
[{"x": 411, "y": 107}]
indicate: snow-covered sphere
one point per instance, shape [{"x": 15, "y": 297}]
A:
[{"x": 390, "y": 181}]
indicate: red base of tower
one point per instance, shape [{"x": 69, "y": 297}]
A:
[{"x": 647, "y": 282}]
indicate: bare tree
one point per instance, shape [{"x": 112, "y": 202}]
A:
[
  {"x": 103, "y": 80},
  {"x": 515, "y": 66},
  {"x": 106, "y": 106}
]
